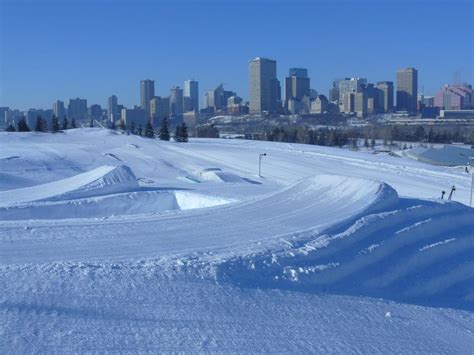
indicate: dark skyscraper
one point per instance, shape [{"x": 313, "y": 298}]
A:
[
  {"x": 407, "y": 89},
  {"x": 297, "y": 84},
  {"x": 263, "y": 85},
  {"x": 147, "y": 92}
]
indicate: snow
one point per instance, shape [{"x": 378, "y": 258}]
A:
[{"x": 115, "y": 243}]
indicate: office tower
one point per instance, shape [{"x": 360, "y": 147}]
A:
[
  {"x": 297, "y": 84},
  {"x": 263, "y": 86},
  {"x": 455, "y": 97},
  {"x": 159, "y": 109},
  {"x": 176, "y": 103},
  {"x": 58, "y": 109},
  {"x": 77, "y": 109},
  {"x": 334, "y": 91},
  {"x": 384, "y": 96},
  {"x": 191, "y": 90},
  {"x": 360, "y": 103},
  {"x": 95, "y": 112},
  {"x": 135, "y": 116},
  {"x": 3, "y": 117},
  {"x": 147, "y": 92},
  {"x": 32, "y": 115},
  {"x": 407, "y": 89},
  {"x": 319, "y": 105},
  {"x": 347, "y": 88},
  {"x": 113, "y": 112}
]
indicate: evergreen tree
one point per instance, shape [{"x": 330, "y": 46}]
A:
[
  {"x": 366, "y": 143},
  {"x": 22, "y": 125},
  {"x": 132, "y": 127},
  {"x": 11, "y": 128},
  {"x": 65, "y": 123},
  {"x": 177, "y": 134},
  {"x": 149, "y": 132},
  {"x": 91, "y": 125},
  {"x": 40, "y": 126},
  {"x": 73, "y": 123},
  {"x": 184, "y": 133},
  {"x": 164, "y": 130},
  {"x": 140, "y": 130},
  {"x": 372, "y": 143},
  {"x": 54, "y": 124}
]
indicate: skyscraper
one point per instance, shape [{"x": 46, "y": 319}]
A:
[
  {"x": 59, "y": 109},
  {"x": 347, "y": 88},
  {"x": 176, "y": 103},
  {"x": 384, "y": 96},
  {"x": 297, "y": 84},
  {"x": 263, "y": 85},
  {"x": 77, "y": 109},
  {"x": 407, "y": 89},
  {"x": 191, "y": 90},
  {"x": 147, "y": 92},
  {"x": 113, "y": 112}
]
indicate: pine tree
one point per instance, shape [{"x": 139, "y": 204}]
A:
[
  {"x": 177, "y": 134},
  {"x": 140, "y": 130},
  {"x": 22, "y": 125},
  {"x": 372, "y": 143},
  {"x": 366, "y": 143},
  {"x": 184, "y": 133},
  {"x": 149, "y": 132},
  {"x": 54, "y": 124},
  {"x": 73, "y": 123},
  {"x": 91, "y": 124},
  {"x": 132, "y": 127},
  {"x": 164, "y": 131},
  {"x": 39, "y": 127},
  {"x": 65, "y": 123},
  {"x": 11, "y": 128}
]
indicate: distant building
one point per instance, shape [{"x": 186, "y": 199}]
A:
[
  {"x": 384, "y": 96},
  {"x": 176, "y": 103},
  {"x": 217, "y": 98},
  {"x": 407, "y": 90},
  {"x": 147, "y": 92},
  {"x": 264, "y": 87},
  {"x": 455, "y": 97},
  {"x": 297, "y": 84},
  {"x": 159, "y": 109},
  {"x": 95, "y": 112},
  {"x": 113, "y": 112},
  {"x": 135, "y": 116},
  {"x": 319, "y": 105},
  {"x": 347, "y": 89},
  {"x": 3, "y": 117},
  {"x": 191, "y": 91},
  {"x": 457, "y": 114},
  {"x": 77, "y": 109},
  {"x": 59, "y": 110},
  {"x": 334, "y": 91},
  {"x": 360, "y": 103},
  {"x": 33, "y": 114}
]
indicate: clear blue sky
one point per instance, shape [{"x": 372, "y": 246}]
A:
[{"x": 91, "y": 49}]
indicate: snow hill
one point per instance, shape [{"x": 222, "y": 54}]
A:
[{"x": 183, "y": 247}]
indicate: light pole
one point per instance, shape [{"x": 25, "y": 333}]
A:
[{"x": 260, "y": 156}]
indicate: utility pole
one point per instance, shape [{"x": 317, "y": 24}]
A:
[{"x": 260, "y": 156}]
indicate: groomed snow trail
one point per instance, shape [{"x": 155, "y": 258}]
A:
[{"x": 319, "y": 255}]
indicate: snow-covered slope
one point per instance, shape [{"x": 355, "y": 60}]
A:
[{"x": 331, "y": 251}]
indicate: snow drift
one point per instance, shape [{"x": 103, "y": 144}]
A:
[{"x": 104, "y": 180}]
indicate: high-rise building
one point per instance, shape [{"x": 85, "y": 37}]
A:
[
  {"x": 360, "y": 103},
  {"x": 176, "y": 103},
  {"x": 191, "y": 90},
  {"x": 263, "y": 86},
  {"x": 113, "y": 112},
  {"x": 134, "y": 117},
  {"x": 59, "y": 110},
  {"x": 95, "y": 112},
  {"x": 407, "y": 89},
  {"x": 347, "y": 88},
  {"x": 159, "y": 109},
  {"x": 297, "y": 85},
  {"x": 33, "y": 114},
  {"x": 384, "y": 96},
  {"x": 334, "y": 91},
  {"x": 455, "y": 97},
  {"x": 147, "y": 92},
  {"x": 77, "y": 109}
]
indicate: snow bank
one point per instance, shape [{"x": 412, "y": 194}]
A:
[
  {"x": 104, "y": 180},
  {"x": 217, "y": 175}
]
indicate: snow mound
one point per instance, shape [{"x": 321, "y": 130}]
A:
[
  {"x": 217, "y": 175},
  {"x": 104, "y": 180},
  {"x": 422, "y": 252}
]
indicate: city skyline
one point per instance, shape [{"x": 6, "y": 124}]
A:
[{"x": 92, "y": 59}]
